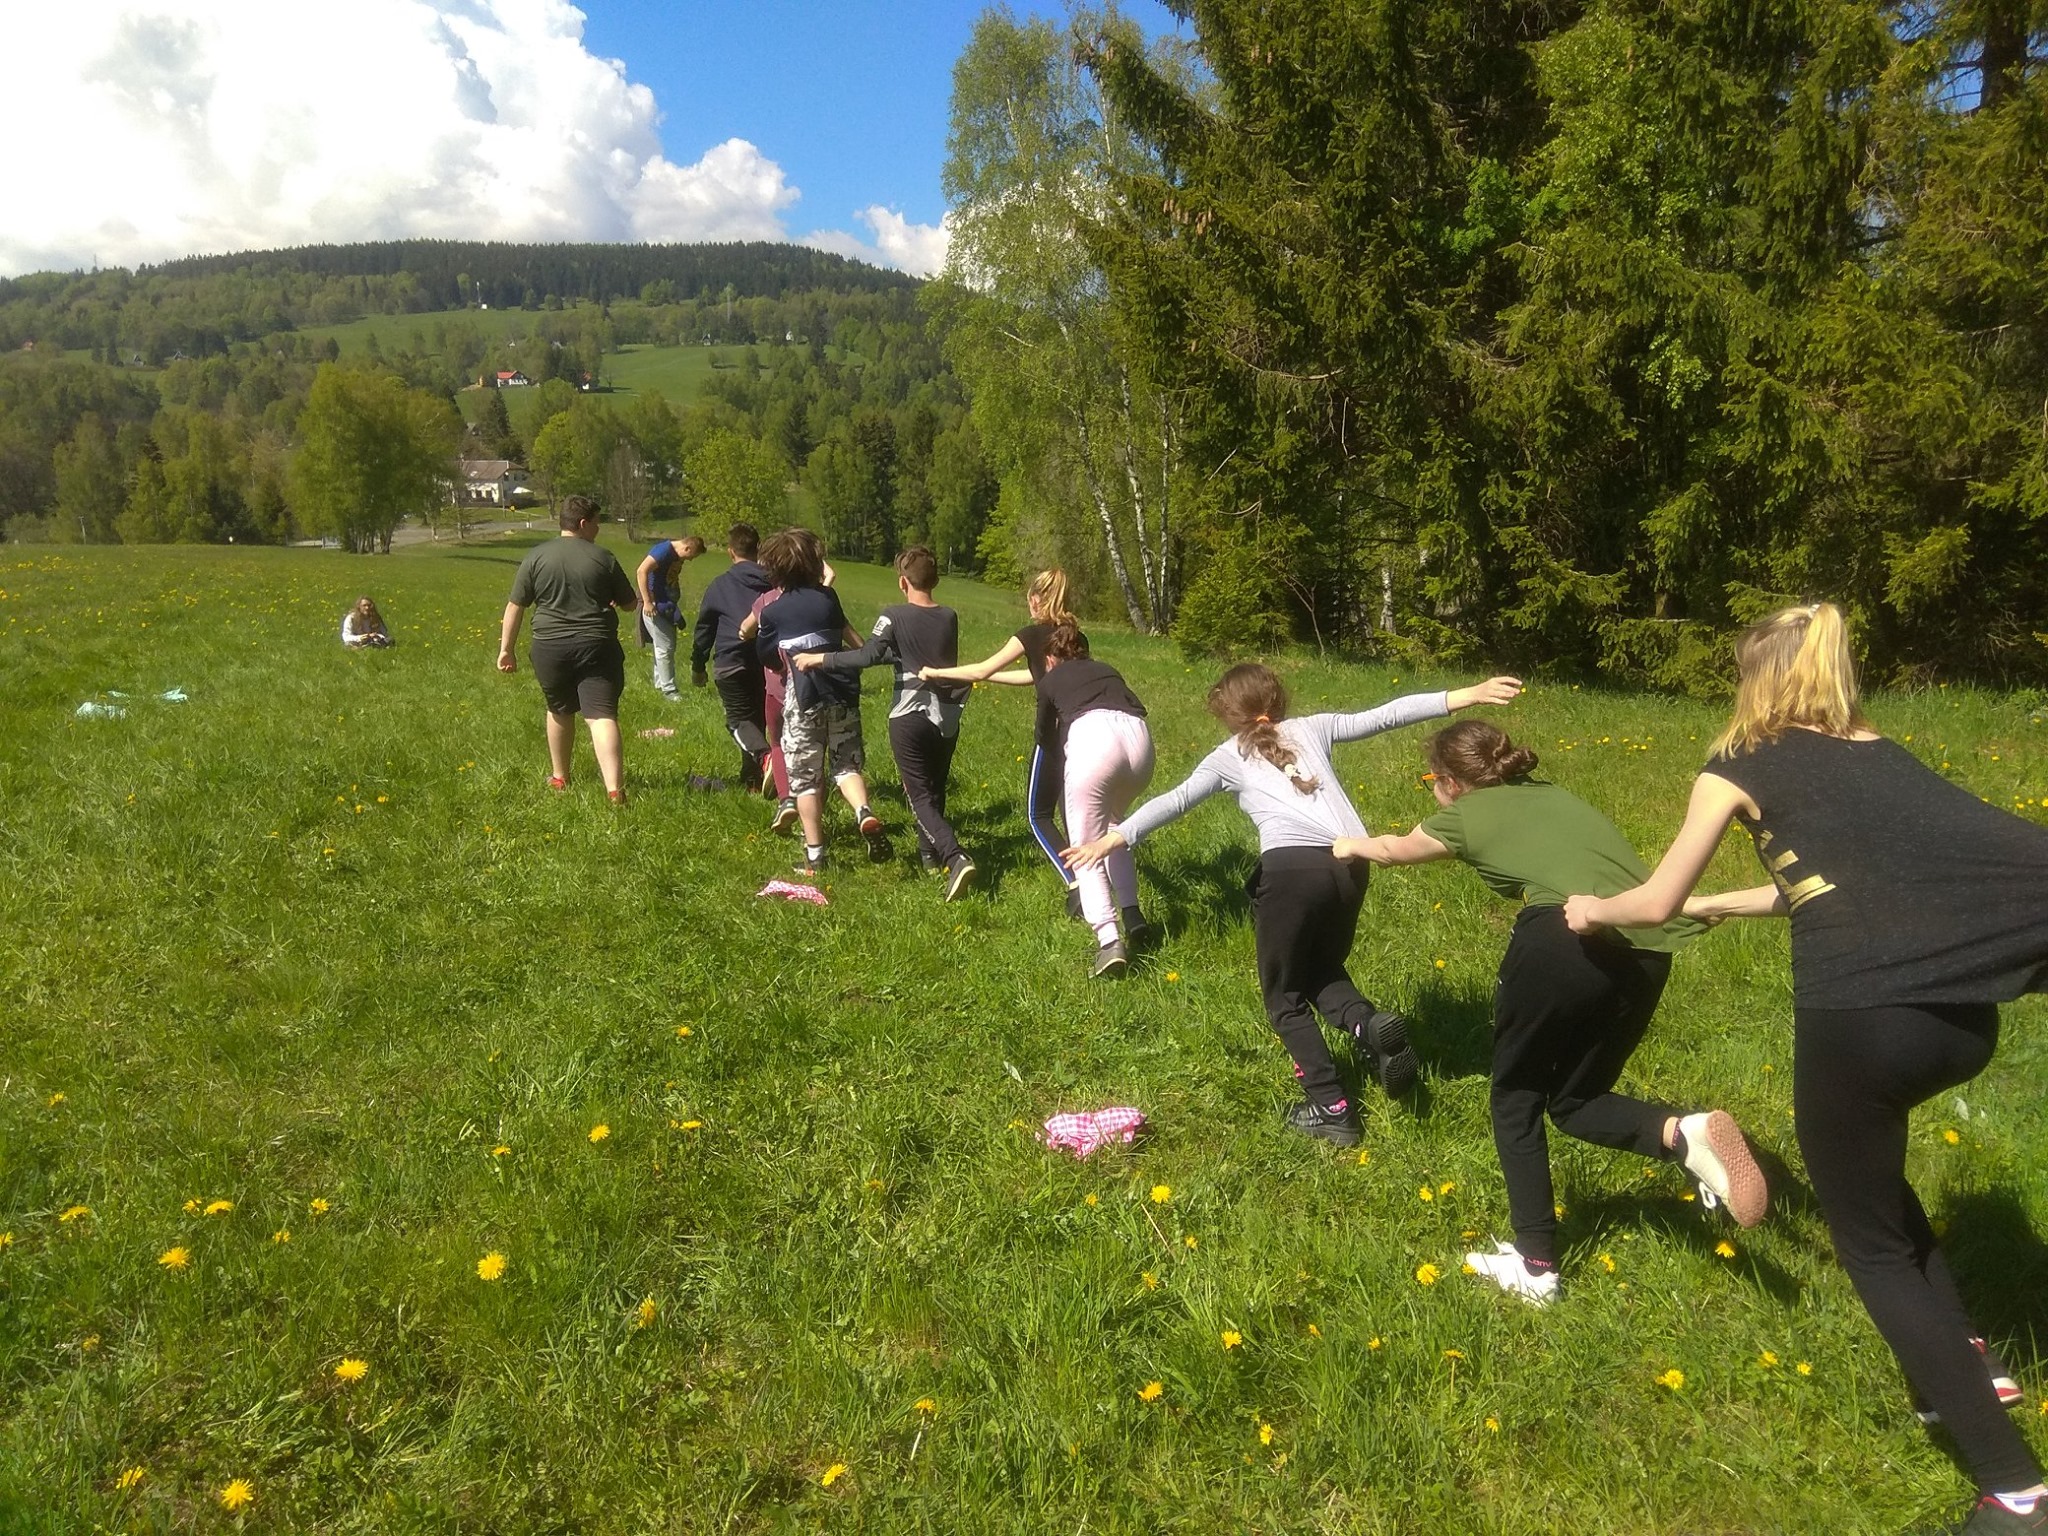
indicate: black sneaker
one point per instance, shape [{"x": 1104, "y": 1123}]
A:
[
  {"x": 814, "y": 862},
  {"x": 785, "y": 816},
  {"x": 871, "y": 830},
  {"x": 1110, "y": 960},
  {"x": 1337, "y": 1126},
  {"x": 1385, "y": 1038},
  {"x": 1140, "y": 934},
  {"x": 1991, "y": 1518},
  {"x": 929, "y": 861},
  {"x": 959, "y": 874}
]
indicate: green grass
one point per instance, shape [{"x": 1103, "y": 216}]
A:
[{"x": 319, "y": 934}]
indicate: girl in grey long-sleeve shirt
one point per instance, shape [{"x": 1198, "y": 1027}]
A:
[{"x": 1305, "y": 901}]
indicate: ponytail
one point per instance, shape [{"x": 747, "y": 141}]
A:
[
  {"x": 1048, "y": 595},
  {"x": 1249, "y": 700},
  {"x": 1478, "y": 755},
  {"x": 1794, "y": 668}
]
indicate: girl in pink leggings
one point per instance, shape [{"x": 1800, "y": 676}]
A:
[{"x": 1108, "y": 752}]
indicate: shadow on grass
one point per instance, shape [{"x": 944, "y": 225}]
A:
[
  {"x": 2001, "y": 1267},
  {"x": 1667, "y": 1213},
  {"x": 1451, "y": 1032}
]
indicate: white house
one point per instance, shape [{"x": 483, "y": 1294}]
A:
[{"x": 492, "y": 482}]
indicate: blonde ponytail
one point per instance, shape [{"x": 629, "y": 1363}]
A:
[
  {"x": 1047, "y": 595},
  {"x": 1795, "y": 669}
]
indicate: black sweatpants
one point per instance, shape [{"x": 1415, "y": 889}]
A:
[
  {"x": 924, "y": 762},
  {"x": 1043, "y": 798},
  {"x": 1857, "y": 1073},
  {"x": 745, "y": 696},
  {"x": 1568, "y": 1012},
  {"x": 1305, "y": 907}
]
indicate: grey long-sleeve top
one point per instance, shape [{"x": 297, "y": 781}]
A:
[{"x": 1284, "y": 816}]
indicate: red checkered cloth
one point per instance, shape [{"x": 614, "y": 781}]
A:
[
  {"x": 1082, "y": 1133},
  {"x": 790, "y": 890}
]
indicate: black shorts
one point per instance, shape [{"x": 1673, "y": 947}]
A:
[{"x": 580, "y": 677}]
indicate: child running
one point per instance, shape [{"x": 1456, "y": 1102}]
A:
[
  {"x": 1106, "y": 747},
  {"x": 1046, "y": 598},
  {"x": 1305, "y": 900},
  {"x": 735, "y": 669},
  {"x": 924, "y": 718},
  {"x": 821, "y": 713},
  {"x": 1568, "y": 1011},
  {"x": 1916, "y": 909}
]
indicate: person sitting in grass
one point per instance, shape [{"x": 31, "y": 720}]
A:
[
  {"x": 1916, "y": 909},
  {"x": 1569, "y": 1010},
  {"x": 573, "y": 586},
  {"x": 924, "y": 718},
  {"x": 821, "y": 713},
  {"x": 1305, "y": 901},
  {"x": 363, "y": 626},
  {"x": 660, "y": 582}
]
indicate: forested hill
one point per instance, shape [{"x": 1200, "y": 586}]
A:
[
  {"x": 451, "y": 273},
  {"x": 200, "y": 304}
]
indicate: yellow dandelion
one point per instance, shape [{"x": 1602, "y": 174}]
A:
[
  {"x": 1673, "y": 1378},
  {"x": 1454, "y": 1354},
  {"x": 191, "y": 1207},
  {"x": 74, "y": 1212},
  {"x": 1767, "y": 1359},
  {"x": 1189, "y": 1241},
  {"x": 6, "y": 1239},
  {"x": 1265, "y": 1433},
  {"x": 130, "y": 1478},
  {"x": 54, "y": 1100},
  {"x": 925, "y": 1406},
  {"x": 1314, "y": 1332},
  {"x": 1364, "y": 1157},
  {"x": 1161, "y": 1193},
  {"x": 1607, "y": 1262},
  {"x": 1725, "y": 1249},
  {"x": 1173, "y": 975},
  {"x": 690, "y": 1125},
  {"x": 1151, "y": 1281},
  {"x": 599, "y": 1132},
  {"x": 1089, "y": 1200},
  {"x": 1151, "y": 1392},
  {"x": 1428, "y": 1274},
  {"x": 643, "y": 1315},
  {"x": 237, "y": 1494},
  {"x": 219, "y": 1207},
  {"x": 174, "y": 1258},
  {"x": 1492, "y": 1424},
  {"x": 352, "y": 1370},
  {"x": 682, "y": 1031},
  {"x": 88, "y": 1344},
  {"x": 1446, "y": 1187},
  {"x": 491, "y": 1266},
  {"x": 1804, "y": 1368},
  {"x": 1232, "y": 1338},
  {"x": 281, "y": 1235},
  {"x": 1440, "y": 965},
  {"x": 501, "y": 1150},
  {"x": 1950, "y": 1137},
  {"x": 318, "y": 1206},
  {"x": 1425, "y": 1193},
  {"x": 1373, "y": 1342}
]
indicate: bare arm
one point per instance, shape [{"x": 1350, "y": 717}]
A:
[
  {"x": 979, "y": 671},
  {"x": 508, "y": 636},
  {"x": 1757, "y": 901},
  {"x": 1661, "y": 897},
  {"x": 640, "y": 575},
  {"x": 1417, "y": 847}
]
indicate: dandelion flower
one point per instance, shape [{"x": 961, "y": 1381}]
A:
[
  {"x": 352, "y": 1370},
  {"x": 1492, "y": 1424},
  {"x": 1150, "y": 1280},
  {"x": 1725, "y": 1249},
  {"x": 1607, "y": 1262},
  {"x": 643, "y": 1315},
  {"x": 174, "y": 1258},
  {"x": 1804, "y": 1368},
  {"x": 599, "y": 1132},
  {"x": 1446, "y": 1187},
  {"x": 237, "y": 1494},
  {"x": 925, "y": 1406},
  {"x": 1173, "y": 975},
  {"x": 1161, "y": 1193},
  {"x": 501, "y": 1150},
  {"x": 1428, "y": 1274},
  {"x": 130, "y": 1478},
  {"x": 682, "y": 1031},
  {"x": 1425, "y": 1193},
  {"x": 6, "y": 1239},
  {"x": 1189, "y": 1241},
  {"x": 281, "y": 1235},
  {"x": 54, "y": 1100},
  {"x": 319, "y": 1207},
  {"x": 832, "y": 1474},
  {"x": 1232, "y": 1338},
  {"x": 1950, "y": 1137},
  {"x": 1314, "y": 1332},
  {"x": 1151, "y": 1392},
  {"x": 219, "y": 1207},
  {"x": 1766, "y": 1359},
  {"x": 1265, "y": 1434},
  {"x": 1673, "y": 1378},
  {"x": 1454, "y": 1354},
  {"x": 191, "y": 1207},
  {"x": 491, "y": 1266},
  {"x": 691, "y": 1125},
  {"x": 74, "y": 1212},
  {"x": 1364, "y": 1157},
  {"x": 88, "y": 1344},
  {"x": 1373, "y": 1342}
]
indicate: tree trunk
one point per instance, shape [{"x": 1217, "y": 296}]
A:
[{"x": 1110, "y": 541}]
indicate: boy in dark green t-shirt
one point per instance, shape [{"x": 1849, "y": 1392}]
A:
[{"x": 1569, "y": 1011}]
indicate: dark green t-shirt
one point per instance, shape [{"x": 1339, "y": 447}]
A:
[
  {"x": 1536, "y": 843},
  {"x": 571, "y": 584}
]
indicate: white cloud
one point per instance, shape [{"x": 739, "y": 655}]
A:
[
  {"x": 151, "y": 129},
  {"x": 919, "y": 249}
]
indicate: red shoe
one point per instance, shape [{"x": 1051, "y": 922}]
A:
[
  {"x": 557, "y": 783},
  {"x": 616, "y": 796}
]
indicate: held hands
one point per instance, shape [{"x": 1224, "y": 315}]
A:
[
  {"x": 1582, "y": 914},
  {"x": 1495, "y": 690},
  {"x": 1088, "y": 855},
  {"x": 809, "y": 661}
]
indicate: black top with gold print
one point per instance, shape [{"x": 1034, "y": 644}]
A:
[{"x": 1904, "y": 889}]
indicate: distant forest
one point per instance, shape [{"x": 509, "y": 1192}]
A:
[{"x": 172, "y": 403}]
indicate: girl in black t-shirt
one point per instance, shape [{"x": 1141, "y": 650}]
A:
[
  {"x": 1916, "y": 909},
  {"x": 1046, "y": 597}
]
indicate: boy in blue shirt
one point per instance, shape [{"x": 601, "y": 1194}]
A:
[{"x": 660, "y": 581}]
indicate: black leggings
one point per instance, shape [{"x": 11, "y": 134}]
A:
[
  {"x": 1568, "y": 1012},
  {"x": 1305, "y": 907},
  {"x": 744, "y": 694},
  {"x": 1042, "y": 805},
  {"x": 1857, "y": 1073},
  {"x": 924, "y": 762}
]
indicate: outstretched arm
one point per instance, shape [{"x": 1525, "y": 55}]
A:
[
  {"x": 1495, "y": 690},
  {"x": 980, "y": 671},
  {"x": 1417, "y": 847},
  {"x": 1661, "y": 897},
  {"x": 1757, "y": 901}
]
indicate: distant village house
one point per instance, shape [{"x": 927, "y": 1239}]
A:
[
  {"x": 493, "y": 483},
  {"x": 505, "y": 378}
]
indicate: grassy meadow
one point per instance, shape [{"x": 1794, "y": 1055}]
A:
[{"x": 332, "y": 1039}]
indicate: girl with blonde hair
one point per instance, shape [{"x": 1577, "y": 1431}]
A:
[
  {"x": 1305, "y": 900},
  {"x": 1916, "y": 909},
  {"x": 1047, "y": 598}
]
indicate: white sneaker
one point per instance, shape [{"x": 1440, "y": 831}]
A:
[
  {"x": 1717, "y": 1156},
  {"x": 1505, "y": 1268}
]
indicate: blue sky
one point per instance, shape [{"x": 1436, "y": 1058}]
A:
[{"x": 849, "y": 98}]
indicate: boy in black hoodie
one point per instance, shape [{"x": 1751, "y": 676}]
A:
[{"x": 716, "y": 639}]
